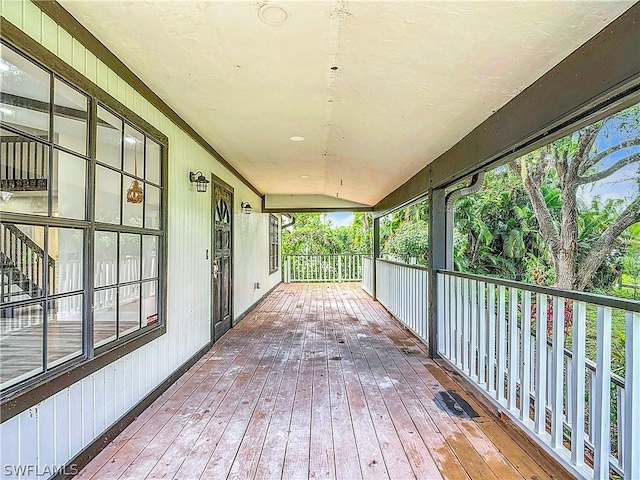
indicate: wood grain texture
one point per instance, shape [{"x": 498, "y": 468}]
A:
[{"x": 317, "y": 382}]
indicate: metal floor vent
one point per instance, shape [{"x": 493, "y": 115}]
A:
[{"x": 455, "y": 404}]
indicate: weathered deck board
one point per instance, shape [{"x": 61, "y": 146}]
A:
[{"x": 317, "y": 382}]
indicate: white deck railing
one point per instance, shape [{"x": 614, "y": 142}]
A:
[
  {"x": 367, "y": 274},
  {"x": 69, "y": 279},
  {"x": 323, "y": 268},
  {"x": 402, "y": 289},
  {"x": 581, "y": 413}
]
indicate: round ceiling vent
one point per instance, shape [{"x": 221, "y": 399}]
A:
[{"x": 273, "y": 14}]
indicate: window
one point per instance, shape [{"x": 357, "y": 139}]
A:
[
  {"x": 274, "y": 243},
  {"x": 81, "y": 233},
  {"x": 127, "y": 235}
]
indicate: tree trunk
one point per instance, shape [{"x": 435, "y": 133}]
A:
[
  {"x": 565, "y": 257},
  {"x": 566, "y": 277}
]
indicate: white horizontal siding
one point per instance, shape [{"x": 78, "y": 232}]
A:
[{"x": 54, "y": 431}]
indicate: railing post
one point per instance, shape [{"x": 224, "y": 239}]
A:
[
  {"x": 437, "y": 261},
  {"x": 631, "y": 437},
  {"x": 376, "y": 254},
  {"x": 340, "y": 268},
  {"x": 287, "y": 269}
]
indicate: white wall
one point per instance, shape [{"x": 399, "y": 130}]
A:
[{"x": 55, "y": 430}]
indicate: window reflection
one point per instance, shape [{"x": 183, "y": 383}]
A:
[
  {"x": 25, "y": 101},
  {"x": 21, "y": 343},
  {"x": 22, "y": 262},
  {"x": 152, "y": 171},
  {"x": 68, "y": 186},
  {"x": 106, "y": 258},
  {"x": 133, "y": 152},
  {"x": 105, "y": 316},
  {"x": 107, "y": 195},
  {"x": 65, "y": 249},
  {"x": 24, "y": 175},
  {"x": 70, "y": 123},
  {"x": 109, "y": 145},
  {"x": 64, "y": 329}
]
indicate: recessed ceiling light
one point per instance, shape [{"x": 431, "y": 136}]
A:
[
  {"x": 304, "y": 176},
  {"x": 296, "y": 138},
  {"x": 273, "y": 14}
]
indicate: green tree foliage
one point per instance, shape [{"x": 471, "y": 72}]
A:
[
  {"x": 314, "y": 234},
  {"x": 496, "y": 232},
  {"x": 404, "y": 234},
  {"x": 593, "y": 154},
  {"x": 409, "y": 242}
]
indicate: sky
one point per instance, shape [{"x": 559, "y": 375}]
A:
[
  {"x": 623, "y": 183},
  {"x": 341, "y": 219}
]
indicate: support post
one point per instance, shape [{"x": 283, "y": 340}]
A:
[
  {"x": 376, "y": 254},
  {"x": 287, "y": 270},
  {"x": 437, "y": 260}
]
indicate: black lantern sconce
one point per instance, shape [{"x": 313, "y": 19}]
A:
[
  {"x": 200, "y": 180},
  {"x": 246, "y": 207}
]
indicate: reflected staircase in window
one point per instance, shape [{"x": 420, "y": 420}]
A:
[
  {"x": 22, "y": 264},
  {"x": 24, "y": 165}
]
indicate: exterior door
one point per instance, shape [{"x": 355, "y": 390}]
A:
[{"x": 221, "y": 259}]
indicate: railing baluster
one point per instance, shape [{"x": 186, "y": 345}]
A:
[
  {"x": 482, "y": 328},
  {"x": 631, "y": 424},
  {"x": 557, "y": 390},
  {"x": 458, "y": 322},
  {"x": 602, "y": 434},
  {"x": 621, "y": 428},
  {"x": 451, "y": 318},
  {"x": 465, "y": 325},
  {"x": 541, "y": 364},
  {"x": 525, "y": 365},
  {"x": 501, "y": 340},
  {"x": 441, "y": 315},
  {"x": 473, "y": 347},
  {"x": 568, "y": 396},
  {"x": 514, "y": 345},
  {"x": 578, "y": 373},
  {"x": 592, "y": 405},
  {"x": 491, "y": 357}
]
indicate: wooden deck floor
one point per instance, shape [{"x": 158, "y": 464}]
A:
[{"x": 317, "y": 382}]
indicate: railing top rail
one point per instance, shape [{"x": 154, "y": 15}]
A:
[
  {"x": 613, "y": 302},
  {"x": 402, "y": 264}
]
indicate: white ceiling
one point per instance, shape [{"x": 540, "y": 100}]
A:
[{"x": 413, "y": 78}]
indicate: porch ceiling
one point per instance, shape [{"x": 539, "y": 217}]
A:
[{"x": 412, "y": 78}]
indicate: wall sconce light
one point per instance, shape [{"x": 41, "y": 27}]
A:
[
  {"x": 246, "y": 207},
  {"x": 200, "y": 180}
]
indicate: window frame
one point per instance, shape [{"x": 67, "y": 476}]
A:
[
  {"x": 274, "y": 244},
  {"x": 28, "y": 392}
]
